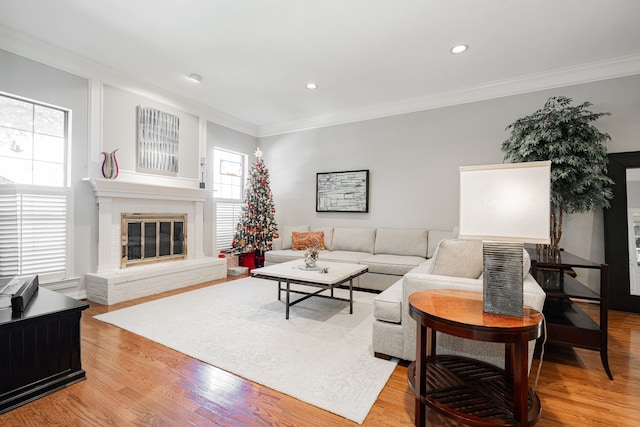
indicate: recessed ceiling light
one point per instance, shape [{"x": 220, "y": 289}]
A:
[
  {"x": 312, "y": 86},
  {"x": 196, "y": 78},
  {"x": 461, "y": 48}
]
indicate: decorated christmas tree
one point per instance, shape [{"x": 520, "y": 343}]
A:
[{"x": 257, "y": 227}]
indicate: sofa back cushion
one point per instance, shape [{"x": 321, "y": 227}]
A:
[
  {"x": 435, "y": 236},
  {"x": 458, "y": 258},
  {"x": 286, "y": 234},
  {"x": 402, "y": 241},
  {"x": 328, "y": 236},
  {"x": 355, "y": 239}
]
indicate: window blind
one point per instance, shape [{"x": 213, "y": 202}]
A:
[
  {"x": 33, "y": 231},
  {"x": 227, "y": 218}
]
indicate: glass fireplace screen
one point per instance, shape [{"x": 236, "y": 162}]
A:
[{"x": 148, "y": 238}]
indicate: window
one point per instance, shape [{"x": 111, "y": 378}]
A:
[
  {"x": 229, "y": 172},
  {"x": 32, "y": 143},
  {"x": 34, "y": 198}
]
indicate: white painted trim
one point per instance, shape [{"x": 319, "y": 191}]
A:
[
  {"x": 46, "y": 53},
  {"x": 132, "y": 190},
  {"x": 69, "y": 287},
  {"x": 634, "y": 270},
  {"x": 54, "y": 56},
  {"x": 590, "y": 72}
]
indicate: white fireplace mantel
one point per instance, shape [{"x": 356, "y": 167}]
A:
[
  {"x": 110, "y": 283},
  {"x": 123, "y": 189},
  {"x": 115, "y": 197}
]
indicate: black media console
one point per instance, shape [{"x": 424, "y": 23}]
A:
[{"x": 39, "y": 348}]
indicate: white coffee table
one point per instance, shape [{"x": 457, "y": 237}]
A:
[{"x": 293, "y": 272}]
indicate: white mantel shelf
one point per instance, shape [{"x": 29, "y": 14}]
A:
[{"x": 133, "y": 190}]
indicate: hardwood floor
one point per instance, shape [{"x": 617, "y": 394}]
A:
[{"x": 134, "y": 381}]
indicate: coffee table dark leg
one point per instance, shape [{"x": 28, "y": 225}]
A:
[
  {"x": 351, "y": 296},
  {"x": 279, "y": 289},
  {"x": 288, "y": 291}
]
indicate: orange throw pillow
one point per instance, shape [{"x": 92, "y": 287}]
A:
[{"x": 303, "y": 240}]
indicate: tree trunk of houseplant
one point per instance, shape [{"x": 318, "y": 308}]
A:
[{"x": 555, "y": 233}]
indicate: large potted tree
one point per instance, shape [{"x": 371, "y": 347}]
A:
[{"x": 563, "y": 133}]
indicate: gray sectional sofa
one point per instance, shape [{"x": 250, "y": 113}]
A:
[
  {"x": 406, "y": 260},
  {"x": 389, "y": 253},
  {"x": 457, "y": 264}
]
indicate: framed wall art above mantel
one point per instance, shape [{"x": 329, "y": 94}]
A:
[
  {"x": 158, "y": 137},
  {"x": 346, "y": 191}
]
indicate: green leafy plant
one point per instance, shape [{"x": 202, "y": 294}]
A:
[{"x": 564, "y": 134}]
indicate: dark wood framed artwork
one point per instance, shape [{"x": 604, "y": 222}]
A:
[{"x": 346, "y": 191}]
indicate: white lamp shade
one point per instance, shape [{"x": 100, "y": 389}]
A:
[{"x": 506, "y": 202}]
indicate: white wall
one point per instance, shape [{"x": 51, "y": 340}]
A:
[
  {"x": 414, "y": 159},
  {"x": 110, "y": 113},
  {"x": 228, "y": 139},
  {"x": 119, "y": 131},
  {"x": 26, "y": 78}
]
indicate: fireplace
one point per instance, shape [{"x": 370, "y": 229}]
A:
[
  {"x": 150, "y": 237},
  {"x": 140, "y": 225}
]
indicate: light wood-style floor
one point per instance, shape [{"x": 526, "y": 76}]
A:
[{"x": 134, "y": 381}]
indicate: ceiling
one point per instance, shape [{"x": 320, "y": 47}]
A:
[{"x": 369, "y": 58}]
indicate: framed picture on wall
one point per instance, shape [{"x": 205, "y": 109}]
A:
[
  {"x": 342, "y": 191},
  {"x": 158, "y": 136}
]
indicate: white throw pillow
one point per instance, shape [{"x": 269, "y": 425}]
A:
[{"x": 458, "y": 258}]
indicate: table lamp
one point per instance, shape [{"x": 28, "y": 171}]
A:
[{"x": 505, "y": 206}]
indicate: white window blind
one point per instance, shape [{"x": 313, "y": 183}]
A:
[
  {"x": 33, "y": 231},
  {"x": 227, "y": 217}
]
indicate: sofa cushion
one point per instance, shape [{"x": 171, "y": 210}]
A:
[
  {"x": 436, "y": 236},
  {"x": 458, "y": 258},
  {"x": 387, "y": 306},
  {"x": 328, "y": 236},
  {"x": 354, "y": 239},
  {"x": 402, "y": 241},
  {"x": 343, "y": 256},
  {"x": 396, "y": 265},
  {"x": 286, "y": 234},
  {"x": 303, "y": 240},
  {"x": 282, "y": 255}
]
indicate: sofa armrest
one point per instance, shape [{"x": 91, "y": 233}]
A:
[
  {"x": 533, "y": 295},
  {"x": 493, "y": 353},
  {"x": 414, "y": 282}
]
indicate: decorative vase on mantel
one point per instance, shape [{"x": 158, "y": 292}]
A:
[{"x": 110, "y": 167}]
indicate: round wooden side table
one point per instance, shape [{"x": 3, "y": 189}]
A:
[{"x": 466, "y": 390}]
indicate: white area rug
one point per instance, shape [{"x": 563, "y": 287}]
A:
[{"x": 321, "y": 355}]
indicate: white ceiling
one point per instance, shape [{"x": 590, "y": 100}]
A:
[{"x": 370, "y": 58}]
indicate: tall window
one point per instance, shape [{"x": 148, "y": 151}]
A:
[
  {"x": 229, "y": 175},
  {"x": 34, "y": 198}
]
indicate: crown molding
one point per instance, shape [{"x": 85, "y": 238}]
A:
[
  {"x": 43, "y": 52},
  {"x": 62, "y": 59},
  {"x": 585, "y": 73}
]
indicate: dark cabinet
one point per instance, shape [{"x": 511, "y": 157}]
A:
[
  {"x": 39, "y": 348},
  {"x": 567, "y": 323}
]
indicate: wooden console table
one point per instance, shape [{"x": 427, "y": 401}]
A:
[
  {"x": 39, "y": 348},
  {"x": 567, "y": 323},
  {"x": 470, "y": 391}
]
